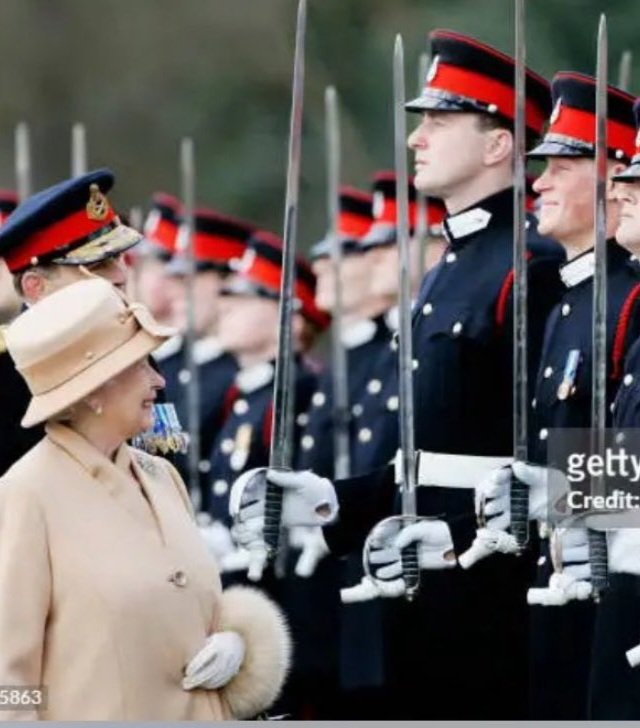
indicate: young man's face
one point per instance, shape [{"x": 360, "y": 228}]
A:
[
  {"x": 248, "y": 324},
  {"x": 449, "y": 150},
  {"x": 628, "y": 196},
  {"x": 354, "y": 275},
  {"x": 567, "y": 193}
]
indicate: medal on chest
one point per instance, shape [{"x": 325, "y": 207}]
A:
[{"x": 567, "y": 385}]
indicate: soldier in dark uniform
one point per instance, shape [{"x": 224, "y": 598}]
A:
[
  {"x": 218, "y": 241},
  {"x": 63, "y": 244},
  {"x": 614, "y": 691},
  {"x": 561, "y": 635},
  {"x": 249, "y": 330},
  {"x": 9, "y": 301},
  {"x": 460, "y": 649}
]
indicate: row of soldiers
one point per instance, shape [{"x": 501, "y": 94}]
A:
[{"x": 469, "y": 645}]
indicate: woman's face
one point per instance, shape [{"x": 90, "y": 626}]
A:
[{"x": 127, "y": 399}]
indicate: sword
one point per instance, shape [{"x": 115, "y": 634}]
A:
[
  {"x": 23, "y": 160},
  {"x": 78, "y": 150},
  {"x": 422, "y": 209},
  {"x": 624, "y": 70},
  {"x": 283, "y": 390},
  {"x": 598, "y": 539},
  {"x": 410, "y": 567},
  {"x": 519, "y": 490},
  {"x": 338, "y": 354},
  {"x": 187, "y": 174}
]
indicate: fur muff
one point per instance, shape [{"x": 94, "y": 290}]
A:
[{"x": 268, "y": 650}]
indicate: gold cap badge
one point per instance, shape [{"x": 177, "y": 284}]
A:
[{"x": 97, "y": 207}]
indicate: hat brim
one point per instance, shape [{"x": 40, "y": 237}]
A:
[
  {"x": 349, "y": 246},
  {"x": 548, "y": 148},
  {"x": 109, "y": 245},
  {"x": 630, "y": 174},
  {"x": 44, "y": 406},
  {"x": 180, "y": 267},
  {"x": 436, "y": 100},
  {"x": 379, "y": 235}
]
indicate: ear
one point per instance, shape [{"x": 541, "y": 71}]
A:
[
  {"x": 498, "y": 146},
  {"x": 34, "y": 286}
]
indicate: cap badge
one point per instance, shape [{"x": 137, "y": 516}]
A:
[
  {"x": 97, "y": 207},
  {"x": 556, "y": 111},
  {"x": 245, "y": 263},
  {"x": 378, "y": 204},
  {"x": 433, "y": 69}
]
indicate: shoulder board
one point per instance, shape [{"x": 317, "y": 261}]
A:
[
  {"x": 505, "y": 292},
  {"x": 618, "y": 351}
]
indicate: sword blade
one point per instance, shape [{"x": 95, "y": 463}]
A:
[
  {"x": 283, "y": 389},
  {"x": 410, "y": 568},
  {"x": 597, "y": 539},
  {"x": 624, "y": 70},
  {"x": 340, "y": 391},
  {"x": 188, "y": 184},
  {"x": 78, "y": 150},
  {"x": 23, "y": 160},
  {"x": 520, "y": 491}
]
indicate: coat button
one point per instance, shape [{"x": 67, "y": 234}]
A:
[
  {"x": 302, "y": 419},
  {"x": 307, "y": 442},
  {"x": 204, "y": 466},
  {"x": 374, "y": 386},
  {"x": 628, "y": 378},
  {"x": 357, "y": 410},
  {"x": 566, "y": 309},
  {"x": 220, "y": 487},
  {"x": 227, "y": 446},
  {"x": 364, "y": 435},
  {"x": 457, "y": 327},
  {"x": 392, "y": 404},
  {"x": 543, "y": 434},
  {"x": 620, "y": 438},
  {"x": 534, "y": 403},
  {"x": 178, "y": 578},
  {"x": 241, "y": 406},
  {"x": 184, "y": 376},
  {"x": 416, "y": 364},
  {"x": 548, "y": 372},
  {"x": 451, "y": 257},
  {"x": 427, "y": 309},
  {"x": 318, "y": 399}
]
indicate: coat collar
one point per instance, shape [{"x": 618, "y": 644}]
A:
[
  {"x": 127, "y": 478},
  {"x": 169, "y": 348},
  {"x": 497, "y": 208},
  {"x": 206, "y": 349},
  {"x": 255, "y": 377},
  {"x": 582, "y": 267},
  {"x": 359, "y": 333}
]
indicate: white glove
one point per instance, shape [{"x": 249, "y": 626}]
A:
[
  {"x": 236, "y": 560},
  {"x": 217, "y": 663},
  {"x": 572, "y": 578},
  {"x": 308, "y": 500},
  {"x": 633, "y": 656},
  {"x": 218, "y": 539},
  {"x": 493, "y": 505},
  {"x": 383, "y": 556},
  {"x": 313, "y": 546}
]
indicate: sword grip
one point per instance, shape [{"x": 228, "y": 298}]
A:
[
  {"x": 598, "y": 559},
  {"x": 272, "y": 518},
  {"x": 410, "y": 570},
  {"x": 519, "y": 511}
]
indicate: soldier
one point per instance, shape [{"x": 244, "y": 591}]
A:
[
  {"x": 249, "y": 330},
  {"x": 465, "y": 636},
  {"x": 78, "y": 236},
  {"x": 9, "y": 301},
  {"x": 561, "y": 635},
  {"x": 218, "y": 240},
  {"x": 151, "y": 283},
  {"x": 613, "y": 693}
]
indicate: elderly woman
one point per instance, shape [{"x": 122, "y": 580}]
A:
[{"x": 109, "y": 600}]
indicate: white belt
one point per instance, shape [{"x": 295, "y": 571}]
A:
[{"x": 451, "y": 471}]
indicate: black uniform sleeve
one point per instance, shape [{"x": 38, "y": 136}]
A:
[{"x": 364, "y": 500}]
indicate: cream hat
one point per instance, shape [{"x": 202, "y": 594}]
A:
[{"x": 73, "y": 341}]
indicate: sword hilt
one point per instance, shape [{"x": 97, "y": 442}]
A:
[
  {"x": 410, "y": 570},
  {"x": 598, "y": 560},
  {"x": 272, "y": 517},
  {"x": 519, "y": 511}
]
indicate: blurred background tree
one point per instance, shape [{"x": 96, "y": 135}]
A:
[{"x": 143, "y": 73}]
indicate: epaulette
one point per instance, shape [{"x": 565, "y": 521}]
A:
[
  {"x": 622, "y": 327},
  {"x": 505, "y": 292}
]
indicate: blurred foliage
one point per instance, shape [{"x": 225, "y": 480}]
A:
[{"x": 143, "y": 73}]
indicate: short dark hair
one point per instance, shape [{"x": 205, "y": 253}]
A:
[{"x": 489, "y": 122}]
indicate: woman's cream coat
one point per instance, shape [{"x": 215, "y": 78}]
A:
[{"x": 107, "y": 591}]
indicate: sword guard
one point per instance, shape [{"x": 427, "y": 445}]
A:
[{"x": 519, "y": 512}]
